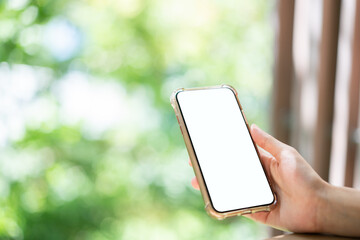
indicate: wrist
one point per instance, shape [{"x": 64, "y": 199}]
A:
[
  {"x": 338, "y": 211},
  {"x": 322, "y": 206}
]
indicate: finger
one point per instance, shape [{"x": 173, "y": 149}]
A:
[
  {"x": 274, "y": 169},
  {"x": 266, "y": 159},
  {"x": 190, "y": 163},
  {"x": 271, "y": 168},
  {"x": 259, "y": 216},
  {"x": 264, "y": 153},
  {"x": 266, "y": 141},
  {"x": 195, "y": 184},
  {"x": 269, "y": 218}
]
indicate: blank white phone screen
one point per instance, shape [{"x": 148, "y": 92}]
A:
[{"x": 226, "y": 154}]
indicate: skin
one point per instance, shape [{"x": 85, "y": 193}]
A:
[{"x": 306, "y": 203}]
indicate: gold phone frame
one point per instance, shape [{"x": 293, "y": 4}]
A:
[{"x": 196, "y": 167}]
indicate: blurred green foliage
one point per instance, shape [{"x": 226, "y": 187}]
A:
[{"x": 117, "y": 169}]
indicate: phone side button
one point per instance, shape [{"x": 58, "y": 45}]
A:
[
  {"x": 257, "y": 210},
  {"x": 245, "y": 212},
  {"x": 181, "y": 130},
  {"x": 245, "y": 118}
]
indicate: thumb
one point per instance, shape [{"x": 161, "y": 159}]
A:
[{"x": 266, "y": 141}]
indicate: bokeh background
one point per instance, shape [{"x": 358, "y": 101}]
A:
[{"x": 89, "y": 145}]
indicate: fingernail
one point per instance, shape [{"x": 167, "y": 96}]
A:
[{"x": 254, "y": 126}]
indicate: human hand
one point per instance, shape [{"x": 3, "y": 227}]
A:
[{"x": 298, "y": 187}]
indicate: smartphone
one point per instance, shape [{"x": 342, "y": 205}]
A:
[{"x": 222, "y": 152}]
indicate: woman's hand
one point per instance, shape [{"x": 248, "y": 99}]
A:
[
  {"x": 298, "y": 187},
  {"x": 306, "y": 203}
]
